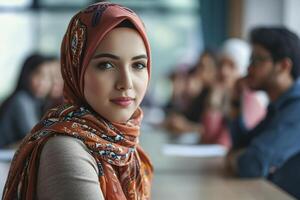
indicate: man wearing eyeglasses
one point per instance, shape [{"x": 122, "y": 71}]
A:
[{"x": 274, "y": 68}]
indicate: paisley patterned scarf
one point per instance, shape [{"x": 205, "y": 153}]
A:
[{"x": 125, "y": 172}]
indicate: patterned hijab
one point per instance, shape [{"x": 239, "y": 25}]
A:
[{"x": 125, "y": 172}]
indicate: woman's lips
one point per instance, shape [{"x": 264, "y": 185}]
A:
[{"x": 122, "y": 101}]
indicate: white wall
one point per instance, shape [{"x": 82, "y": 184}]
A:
[
  {"x": 291, "y": 17},
  {"x": 271, "y": 12},
  {"x": 16, "y": 41},
  {"x": 21, "y": 34},
  {"x": 262, "y": 12}
]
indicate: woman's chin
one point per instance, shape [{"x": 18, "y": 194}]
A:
[{"x": 120, "y": 119}]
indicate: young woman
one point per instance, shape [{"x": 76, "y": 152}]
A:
[
  {"x": 88, "y": 147},
  {"x": 23, "y": 108}
]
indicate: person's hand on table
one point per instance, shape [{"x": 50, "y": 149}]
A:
[{"x": 178, "y": 124}]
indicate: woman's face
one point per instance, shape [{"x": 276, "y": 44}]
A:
[
  {"x": 228, "y": 71},
  {"x": 207, "y": 69},
  {"x": 40, "y": 81},
  {"x": 116, "y": 78}
]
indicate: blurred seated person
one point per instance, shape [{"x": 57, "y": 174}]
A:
[
  {"x": 23, "y": 108},
  {"x": 274, "y": 68},
  {"x": 55, "y": 96},
  {"x": 199, "y": 85},
  {"x": 214, "y": 106},
  {"x": 232, "y": 63},
  {"x": 192, "y": 89},
  {"x": 189, "y": 85},
  {"x": 177, "y": 102},
  {"x": 228, "y": 92}
]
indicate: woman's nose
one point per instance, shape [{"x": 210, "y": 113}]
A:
[{"x": 124, "y": 81}]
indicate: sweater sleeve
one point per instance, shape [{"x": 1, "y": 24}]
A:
[{"x": 67, "y": 170}]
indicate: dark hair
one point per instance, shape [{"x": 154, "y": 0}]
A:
[
  {"x": 32, "y": 63},
  {"x": 281, "y": 43}
]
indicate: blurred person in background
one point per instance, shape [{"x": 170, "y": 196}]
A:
[
  {"x": 23, "y": 108},
  {"x": 237, "y": 97},
  {"x": 195, "y": 87},
  {"x": 177, "y": 101},
  {"x": 274, "y": 68},
  {"x": 55, "y": 96},
  {"x": 199, "y": 84},
  {"x": 88, "y": 147},
  {"x": 233, "y": 60}
]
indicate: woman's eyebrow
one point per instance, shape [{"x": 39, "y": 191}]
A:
[
  {"x": 106, "y": 55},
  {"x": 139, "y": 57}
]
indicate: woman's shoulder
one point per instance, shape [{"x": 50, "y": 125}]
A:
[
  {"x": 67, "y": 168},
  {"x": 67, "y": 149}
]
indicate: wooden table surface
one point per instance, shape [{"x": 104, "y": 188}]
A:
[
  {"x": 186, "y": 178},
  {"x": 200, "y": 178}
]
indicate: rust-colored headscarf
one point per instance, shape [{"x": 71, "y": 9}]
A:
[{"x": 125, "y": 172}]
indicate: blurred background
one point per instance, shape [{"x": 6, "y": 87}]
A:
[
  {"x": 178, "y": 30},
  {"x": 197, "y": 90}
]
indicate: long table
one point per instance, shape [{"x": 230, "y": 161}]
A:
[
  {"x": 191, "y": 178},
  {"x": 195, "y": 178}
]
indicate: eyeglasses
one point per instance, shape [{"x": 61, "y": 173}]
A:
[{"x": 256, "y": 60}]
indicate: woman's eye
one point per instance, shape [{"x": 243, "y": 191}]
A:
[
  {"x": 105, "y": 65},
  {"x": 139, "y": 66}
]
